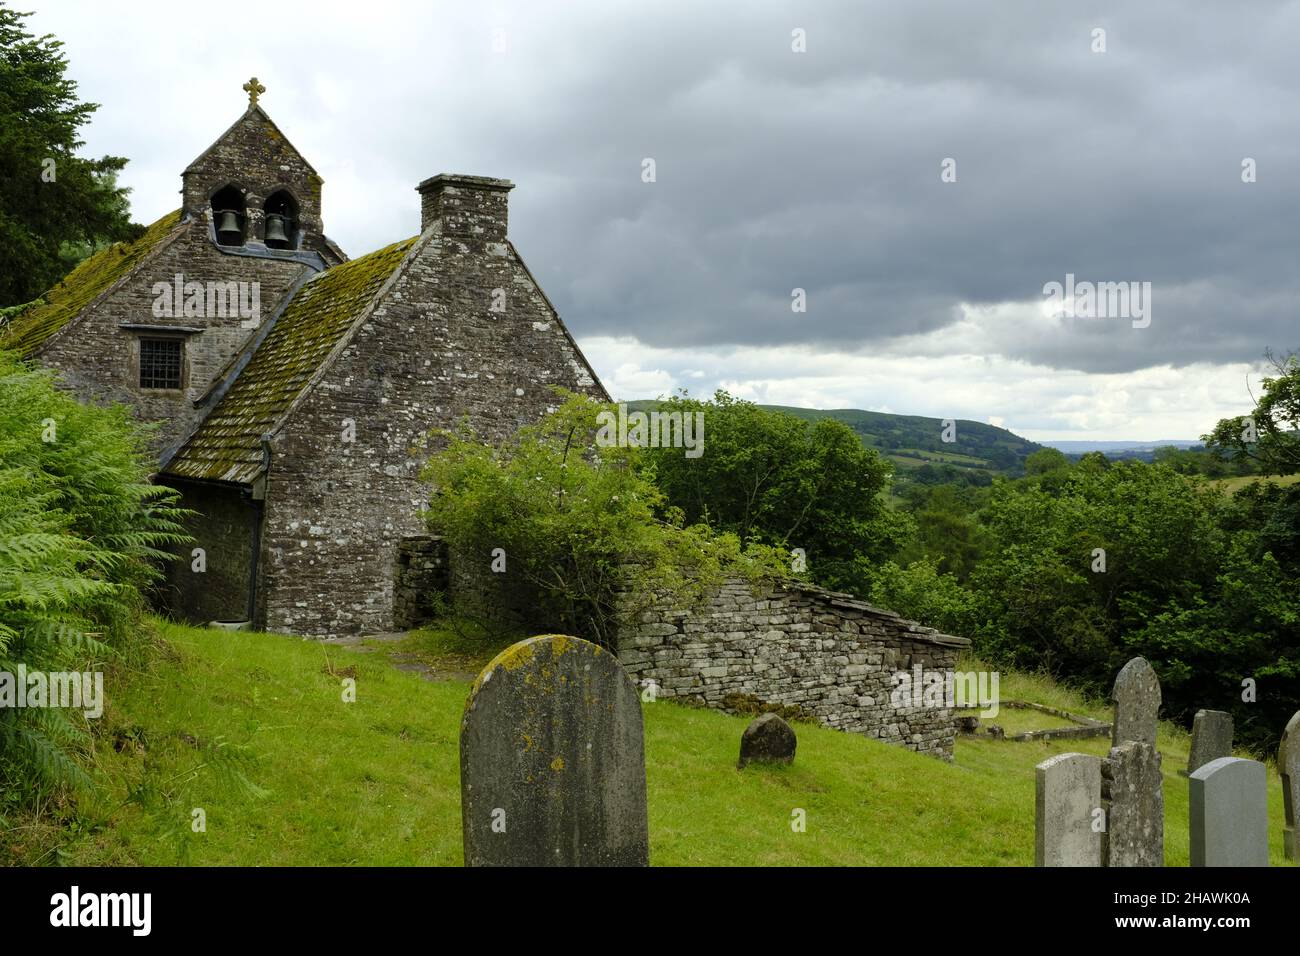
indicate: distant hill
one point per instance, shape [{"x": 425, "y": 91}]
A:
[
  {"x": 914, "y": 443},
  {"x": 1079, "y": 447},
  {"x": 1119, "y": 450}
]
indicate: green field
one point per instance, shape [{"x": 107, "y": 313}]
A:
[
  {"x": 252, "y": 730},
  {"x": 1232, "y": 485}
]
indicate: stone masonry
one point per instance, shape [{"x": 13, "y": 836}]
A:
[
  {"x": 420, "y": 578},
  {"x": 830, "y": 655}
]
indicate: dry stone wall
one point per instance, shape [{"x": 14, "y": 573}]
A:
[{"x": 829, "y": 655}]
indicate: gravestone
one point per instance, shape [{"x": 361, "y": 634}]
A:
[
  {"x": 1132, "y": 784},
  {"x": 1067, "y": 793},
  {"x": 1137, "y": 703},
  {"x": 1229, "y": 813},
  {"x": 1133, "y": 794},
  {"x": 768, "y": 739},
  {"x": 1288, "y": 766},
  {"x": 552, "y": 761},
  {"x": 1211, "y": 738}
]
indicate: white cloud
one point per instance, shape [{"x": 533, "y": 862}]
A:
[{"x": 1038, "y": 402}]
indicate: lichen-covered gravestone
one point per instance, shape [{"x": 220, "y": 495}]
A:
[
  {"x": 768, "y": 739},
  {"x": 1211, "y": 738},
  {"x": 1067, "y": 794},
  {"x": 552, "y": 760},
  {"x": 1288, "y": 766},
  {"x": 1132, "y": 784},
  {"x": 1228, "y": 813}
]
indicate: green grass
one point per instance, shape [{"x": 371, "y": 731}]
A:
[
  {"x": 376, "y": 781},
  {"x": 1233, "y": 485}
]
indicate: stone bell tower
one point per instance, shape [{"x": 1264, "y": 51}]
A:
[{"x": 255, "y": 189}]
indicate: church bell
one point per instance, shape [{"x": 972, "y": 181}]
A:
[
  {"x": 228, "y": 231},
  {"x": 275, "y": 231}
]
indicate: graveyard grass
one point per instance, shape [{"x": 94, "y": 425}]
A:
[{"x": 252, "y": 729}]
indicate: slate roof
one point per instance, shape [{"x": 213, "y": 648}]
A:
[
  {"x": 29, "y": 330},
  {"x": 227, "y": 445}
]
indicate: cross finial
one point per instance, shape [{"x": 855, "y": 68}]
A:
[{"x": 253, "y": 89}]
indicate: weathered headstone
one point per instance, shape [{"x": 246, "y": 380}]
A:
[
  {"x": 1133, "y": 794},
  {"x": 552, "y": 760},
  {"x": 1137, "y": 703},
  {"x": 1067, "y": 795},
  {"x": 1288, "y": 766},
  {"x": 1132, "y": 784},
  {"x": 1229, "y": 813},
  {"x": 1211, "y": 738},
  {"x": 768, "y": 739}
]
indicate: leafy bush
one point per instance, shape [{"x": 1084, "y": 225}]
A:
[
  {"x": 920, "y": 591},
  {"x": 582, "y": 530},
  {"x": 80, "y": 530}
]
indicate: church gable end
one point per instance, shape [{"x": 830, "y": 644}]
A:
[{"x": 462, "y": 331}]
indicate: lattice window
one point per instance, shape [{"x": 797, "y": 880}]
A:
[{"x": 160, "y": 363}]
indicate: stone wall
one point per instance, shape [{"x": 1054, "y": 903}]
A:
[
  {"x": 827, "y": 654},
  {"x": 420, "y": 578},
  {"x": 255, "y": 157}
]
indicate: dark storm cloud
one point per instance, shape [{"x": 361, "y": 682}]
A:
[{"x": 819, "y": 170}]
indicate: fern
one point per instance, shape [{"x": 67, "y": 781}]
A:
[{"x": 81, "y": 533}]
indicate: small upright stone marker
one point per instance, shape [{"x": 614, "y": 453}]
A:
[
  {"x": 1132, "y": 784},
  {"x": 1288, "y": 766},
  {"x": 768, "y": 739},
  {"x": 552, "y": 760},
  {"x": 1211, "y": 738},
  {"x": 1229, "y": 813},
  {"x": 1067, "y": 794}
]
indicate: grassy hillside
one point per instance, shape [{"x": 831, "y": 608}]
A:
[
  {"x": 252, "y": 730},
  {"x": 912, "y": 441}
]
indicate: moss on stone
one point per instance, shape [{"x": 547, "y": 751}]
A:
[
  {"x": 748, "y": 704},
  {"x": 517, "y": 655},
  {"x": 227, "y": 447},
  {"x": 96, "y": 274}
]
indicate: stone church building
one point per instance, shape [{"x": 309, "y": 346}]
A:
[{"x": 291, "y": 385}]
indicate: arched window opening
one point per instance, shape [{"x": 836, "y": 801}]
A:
[
  {"x": 281, "y": 221},
  {"x": 228, "y": 213}
]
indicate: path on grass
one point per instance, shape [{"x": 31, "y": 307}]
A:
[{"x": 411, "y": 663}]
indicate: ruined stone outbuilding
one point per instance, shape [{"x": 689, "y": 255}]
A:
[
  {"x": 291, "y": 386},
  {"x": 801, "y": 651}
]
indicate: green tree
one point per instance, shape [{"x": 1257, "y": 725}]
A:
[
  {"x": 55, "y": 207},
  {"x": 1072, "y": 576},
  {"x": 1270, "y": 435},
  {"x": 947, "y": 533},
  {"x": 1045, "y": 460},
  {"x": 767, "y": 476}
]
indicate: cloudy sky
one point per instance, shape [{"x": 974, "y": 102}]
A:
[{"x": 777, "y": 169}]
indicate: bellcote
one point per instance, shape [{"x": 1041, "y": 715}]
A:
[{"x": 254, "y": 186}]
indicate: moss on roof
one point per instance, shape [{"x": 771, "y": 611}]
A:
[
  {"x": 227, "y": 446},
  {"x": 28, "y": 330}
]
